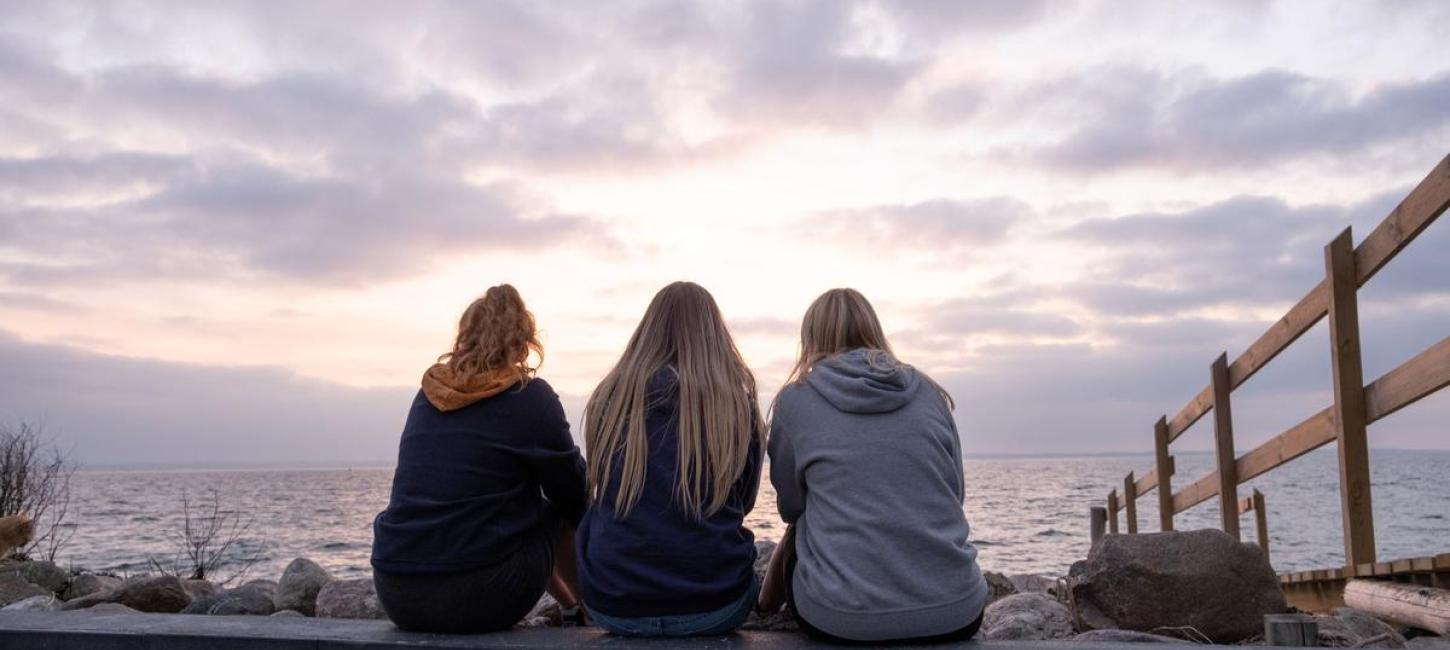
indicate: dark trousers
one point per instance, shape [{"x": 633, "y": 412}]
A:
[
  {"x": 962, "y": 634},
  {"x": 484, "y": 600}
]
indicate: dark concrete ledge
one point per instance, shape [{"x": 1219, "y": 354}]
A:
[{"x": 67, "y": 630}]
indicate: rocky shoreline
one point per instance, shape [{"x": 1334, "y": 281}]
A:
[{"x": 1200, "y": 586}]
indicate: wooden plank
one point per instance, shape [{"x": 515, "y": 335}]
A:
[
  {"x": 1261, "y": 523},
  {"x": 1246, "y": 505},
  {"x": 1146, "y": 484},
  {"x": 1163, "y": 472},
  {"x": 1356, "y": 507},
  {"x": 1201, "y": 490},
  {"x": 1418, "y": 210},
  {"x": 1189, "y": 414},
  {"x": 1422, "y": 607},
  {"x": 1223, "y": 434},
  {"x": 1300, "y": 439},
  {"x": 1130, "y": 503},
  {"x": 1422, "y": 375},
  {"x": 1113, "y": 512},
  {"x": 1097, "y": 523}
]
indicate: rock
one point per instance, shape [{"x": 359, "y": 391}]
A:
[
  {"x": 15, "y": 588},
  {"x": 1204, "y": 580},
  {"x": 349, "y": 599},
  {"x": 87, "y": 584},
  {"x": 43, "y": 574},
  {"x": 288, "y": 613},
  {"x": 298, "y": 588},
  {"x": 268, "y": 587},
  {"x": 764, "y": 550},
  {"x": 163, "y": 594},
  {"x": 110, "y": 608},
  {"x": 1353, "y": 628},
  {"x": 781, "y": 621},
  {"x": 201, "y": 605},
  {"x": 198, "y": 589},
  {"x": 1428, "y": 643},
  {"x": 1123, "y": 636},
  {"x": 1027, "y": 617},
  {"x": 998, "y": 586},
  {"x": 1027, "y": 583},
  {"x": 33, "y": 604},
  {"x": 247, "y": 600}
]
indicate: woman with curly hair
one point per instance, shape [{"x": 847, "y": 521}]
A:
[{"x": 489, "y": 487}]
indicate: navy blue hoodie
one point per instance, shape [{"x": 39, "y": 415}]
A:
[
  {"x": 661, "y": 560},
  {"x": 473, "y": 484}
]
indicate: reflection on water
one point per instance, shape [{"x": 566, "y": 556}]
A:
[{"x": 1028, "y": 515}]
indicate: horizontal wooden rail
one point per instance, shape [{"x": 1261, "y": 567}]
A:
[
  {"x": 1426, "y": 202},
  {"x": 1422, "y": 375}
]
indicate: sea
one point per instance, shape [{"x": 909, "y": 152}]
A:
[{"x": 1027, "y": 514}]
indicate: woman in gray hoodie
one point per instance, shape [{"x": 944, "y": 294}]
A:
[{"x": 867, "y": 469}]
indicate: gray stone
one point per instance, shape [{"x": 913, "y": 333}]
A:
[
  {"x": 15, "y": 588},
  {"x": 349, "y": 599},
  {"x": 1428, "y": 643},
  {"x": 198, "y": 589},
  {"x": 268, "y": 587},
  {"x": 998, "y": 586},
  {"x": 33, "y": 604},
  {"x": 1027, "y": 617},
  {"x": 163, "y": 594},
  {"x": 87, "y": 584},
  {"x": 44, "y": 574},
  {"x": 1353, "y": 628},
  {"x": 246, "y": 600},
  {"x": 1027, "y": 583},
  {"x": 1203, "y": 579},
  {"x": 1123, "y": 636},
  {"x": 288, "y": 613},
  {"x": 298, "y": 588},
  {"x": 110, "y": 608}
]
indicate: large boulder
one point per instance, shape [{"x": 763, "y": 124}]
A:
[
  {"x": 44, "y": 574},
  {"x": 349, "y": 599},
  {"x": 1124, "y": 636},
  {"x": 1027, "y": 583},
  {"x": 298, "y": 588},
  {"x": 199, "y": 589},
  {"x": 161, "y": 594},
  {"x": 1204, "y": 580},
  {"x": 15, "y": 588},
  {"x": 251, "y": 599},
  {"x": 87, "y": 584},
  {"x": 33, "y": 604},
  {"x": 998, "y": 586},
  {"x": 1353, "y": 628},
  {"x": 1027, "y": 617}
]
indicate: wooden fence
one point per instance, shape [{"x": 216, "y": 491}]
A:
[{"x": 1356, "y": 404}]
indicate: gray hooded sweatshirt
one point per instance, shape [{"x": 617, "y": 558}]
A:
[{"x": 866, "y": 462}]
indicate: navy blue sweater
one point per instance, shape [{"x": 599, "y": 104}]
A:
[
  {"x": 473, "y": 484},
  {"x": 661, "y": 560}
]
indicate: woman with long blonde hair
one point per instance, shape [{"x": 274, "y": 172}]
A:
[
  {"x": 489, "y": 485},
  {"x": 674, "y": 439},
  {"x": 867, "y": 469}
]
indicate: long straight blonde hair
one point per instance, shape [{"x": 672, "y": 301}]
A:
[
  {"x": 841, "y": 320},
  {"x": 718, "y": 415}
]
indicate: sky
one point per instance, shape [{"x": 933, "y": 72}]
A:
[{"x": 238, "y": 232}]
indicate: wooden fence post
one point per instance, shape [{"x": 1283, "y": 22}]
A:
[
  {"x": 1261, "y": 522},
  {"x": 1113, "y": 512},
  {"x": 1097, "y": 522},
  {"x": 1223, "y": 431},
  {"x": 1349, "y": 412},
  {"x": 1164, "y": 466},
  {"x": 1130, "y": 503}
]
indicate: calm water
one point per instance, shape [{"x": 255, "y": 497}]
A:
[{"x": 1028, "y": 515}]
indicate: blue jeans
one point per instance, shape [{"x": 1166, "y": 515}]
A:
[{"x": 721, "y": 621}]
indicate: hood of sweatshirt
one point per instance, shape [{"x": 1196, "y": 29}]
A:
[
  {"x": 449, "y": 389},
  {"x": 853, "y": 384}
]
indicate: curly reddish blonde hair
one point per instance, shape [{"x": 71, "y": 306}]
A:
[{"x": 497, "y": 332}]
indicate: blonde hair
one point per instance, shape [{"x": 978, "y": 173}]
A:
[
  {"x": 718, "y": 418},
  {"x": 841, "y": 320},
  {"x": 496, "y": 332}
]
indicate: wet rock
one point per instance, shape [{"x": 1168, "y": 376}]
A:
[
  {"x": 349, "y": 599},
  {"x": 1353, "y": 628},
  {"x": 1204, "y": 580},
  {"x": 15, "y": 588},
  {"x": 1027, "y": 617},
  {"x": 998, "y": 586},
  {"x": 247, "y": 600},
  {"x": 163, "y": 594},
  {"x": 87, "y": 584},
  {"x": 1123, "y": 636},
  {"x": 43, "y": 574},
  {"x": 34, "y": 604},
  {"x": 298, "y": 588},
  {"x": 287, "y": 613}
]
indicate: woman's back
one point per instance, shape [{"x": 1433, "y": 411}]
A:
[{"x": 865, "y": 453}]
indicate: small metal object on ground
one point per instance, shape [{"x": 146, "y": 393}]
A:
[{"x": 1296, "y": 630}]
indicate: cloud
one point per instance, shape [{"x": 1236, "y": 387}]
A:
[
  {"x": 1192, "y": 122},
  {"x": 936, "y": 224}
]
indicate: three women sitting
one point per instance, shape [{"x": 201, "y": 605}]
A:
[{"x": 864, "y": 457}]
